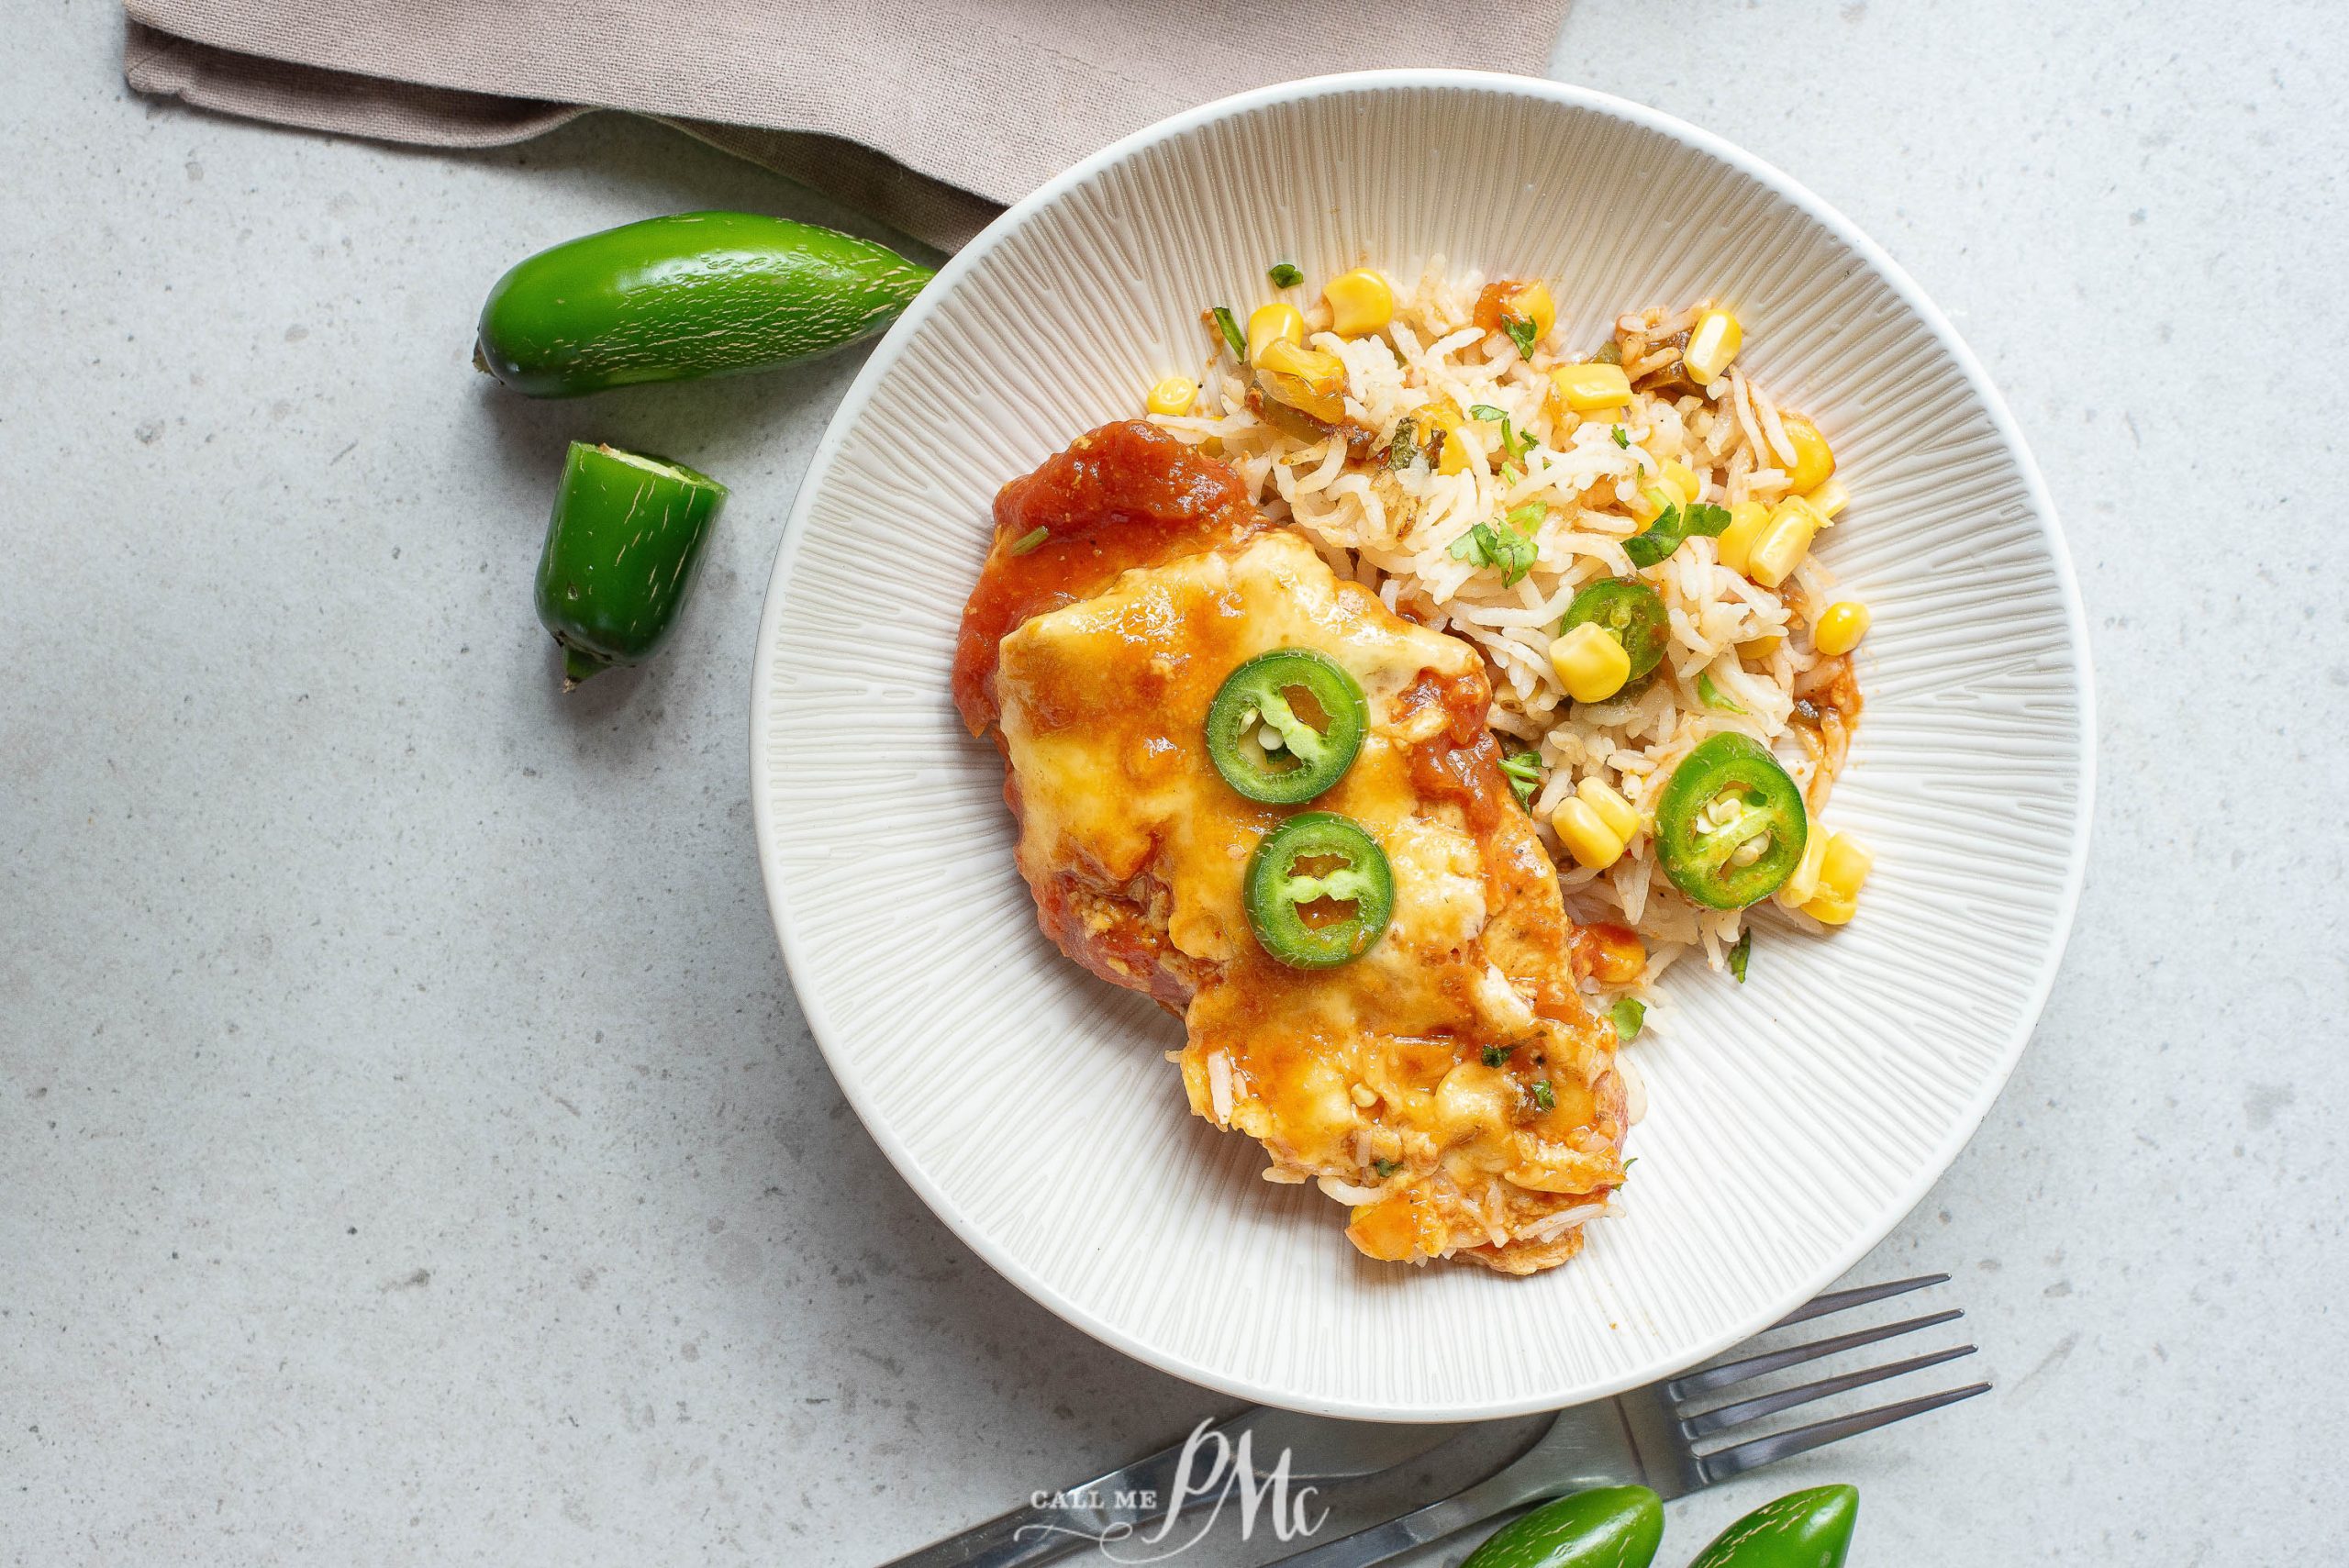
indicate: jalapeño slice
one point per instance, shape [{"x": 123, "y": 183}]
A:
[
  {"x": 1286, "y": 725},
  {"x": 1319, "y": 891},
  {"x": 1730, "y": 825},
  {"x": 1629, "y": 611}
]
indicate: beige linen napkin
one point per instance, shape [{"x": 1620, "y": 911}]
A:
[{"x": 930, "y": 114}]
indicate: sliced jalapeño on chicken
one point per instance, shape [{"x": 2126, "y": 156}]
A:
[
  {"x": 1286, "y": 726},
  {"x": 1319, "y": 891}
]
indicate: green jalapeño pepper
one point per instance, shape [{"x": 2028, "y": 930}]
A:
[
  {"x": 621, "y": 547},
  {"x": 672, "y": 298},
  {"x": 1801, "y": 1529},
  {"x": 1286, "y": 725},
  {"x": 1612, "y": 1527},
  {"x": 1629, "y": 611},
  {"x": 1318, "y": 891},
  {"x": 1730, "y": 825}
]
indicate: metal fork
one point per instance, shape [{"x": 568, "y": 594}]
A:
[{"x": 1650, "y": 1435}]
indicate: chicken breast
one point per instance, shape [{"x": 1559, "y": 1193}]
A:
[{"x": 1449, "y": 1085}]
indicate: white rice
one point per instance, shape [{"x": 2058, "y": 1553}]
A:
[{"x": 1392, "y": 530}]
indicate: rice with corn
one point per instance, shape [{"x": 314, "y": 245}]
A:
[{"x": 1455, "y": 412}]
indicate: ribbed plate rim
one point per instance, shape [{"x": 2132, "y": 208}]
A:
[{"x": 892, "y": 347}]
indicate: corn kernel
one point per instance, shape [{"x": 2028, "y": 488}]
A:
[
  {"x": 1176, "y": 395},
  {"x": 1843, "y": 865},
  {"x": 1675, "y": 485},
  {"x": 1784, "y": 540},
  {"x": 1274, "y": 323},
  {"x": 1841, "y": 626},
  {"x": 1746, "y": 521},
  {"x": 1591, "y": 664},
  {"x": 1760, "y": 649},
  {"x": 1814, "y": 458},
  {"x": 1829, "y": 498},
  {"x": 1712, "y": 343},
  {"x": 1623, "y": 818},
  {"x": 1308, "y": 379},
  {"x": 1589, "y": 387},
  {"x": 1532, "y": 303},
  {"x": 1360, "y": 301},
  {"x": 1586, "y": 834},
  {"x": 1458, "y": 454},
  {"x": 1321, "y": 371},
  {"x": 1613, "y": 953},
  {"x": 1802, "y": 886},
  {"x": 1830, "y": 910}
]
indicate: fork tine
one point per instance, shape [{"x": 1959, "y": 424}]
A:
[
  {"x": 1753, "y": 1409},
  {"x": 1746, "y": 1456},
  {"x": 1838, "y": 1300},
  {"x": 1735, "y": 1372}
]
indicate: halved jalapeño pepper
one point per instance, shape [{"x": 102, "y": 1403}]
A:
[
  {"x": 1286, "y": 725},
  {"x": 1729, "y": 826},
  {"x": 625, "y": 537},
  {"x": 1318, "y": 891},
  {"x": 1629, "y": 611}
]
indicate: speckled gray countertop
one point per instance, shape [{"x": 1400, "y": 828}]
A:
[{"x": 410, "y": 1150}]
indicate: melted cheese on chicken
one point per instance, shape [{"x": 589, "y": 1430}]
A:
[{"x": 1449, "y": 1085}]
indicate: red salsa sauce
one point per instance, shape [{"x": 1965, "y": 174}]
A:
[
  {"x": 1127, "y": 495},
  {"x": 1460, "y": 763}
]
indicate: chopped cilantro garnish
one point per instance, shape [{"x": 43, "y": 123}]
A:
[
  {"x": 1739, "y": 955},
  {"x": 1503, "y": 547},
  {"x": 1233, "y": 335},
  {"x": 1284, "y": 275},
  {"x": 1029, "y": 540},
  {"x": 1521, "y": 333},
  {"x": 1524, "y": 771},
  {"x": 1386, "y": 1168},
  {"x": 1544, "y": 1095},
  {"x": 1712, "y": 696},
  {"x": 1622, "y": 438},
  {"x": 1513, "y": 443},
  {"x": 1404, "y": 447},
  {"x": 1672, "y": 525},
  {"x": 1629, "y": 1013},
  {"x": 1496, "y": 1054}
]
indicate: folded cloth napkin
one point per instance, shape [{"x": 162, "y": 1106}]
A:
[{"x": 929, "y": 114}]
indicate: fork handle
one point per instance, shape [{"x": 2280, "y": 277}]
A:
[
  {"x": 1533, "y": 1477},
  {"x": 999, "y": 1543}
]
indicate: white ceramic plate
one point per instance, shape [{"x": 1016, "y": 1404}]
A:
[{"x": 1792, "y": 1121}]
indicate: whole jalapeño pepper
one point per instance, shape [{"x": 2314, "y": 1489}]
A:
[
  {"x": 672, "y": 298},
  {"x": 1610, "y": 1527},
  {"x": 1809, "y": 1529},
  {"x": 621, "y": 547}
]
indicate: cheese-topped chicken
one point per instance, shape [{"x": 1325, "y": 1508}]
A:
[{"x": 1448, "y": 1084}]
